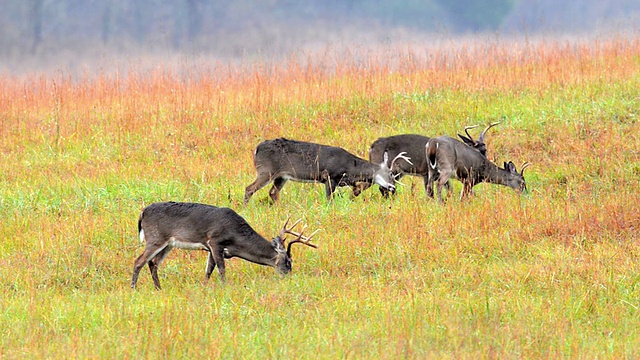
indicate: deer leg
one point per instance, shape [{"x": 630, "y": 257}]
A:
[
  {"x": 428, "y": 186},
  {"x": 440, "y": 192},
  {"x": 149, "y": 253},
  {"x": 329, "y": 187},
  {"x": 211, "y": 264},
  {"x": 217, "y": 254},
  {"x": 154, "y": 263},
  {"x": 433, "y": 180},
  {"x": 442, "y": 181},
  {"x": 137, "y": 265},
  {"x": 466, "y": 190},
  {"x": 447, "y": 185},
  {"x": 278, "y": 183},
  {"x": 262, "y": 180}
]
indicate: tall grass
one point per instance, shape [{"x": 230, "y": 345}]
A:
[{"x": 548, "y": 274}]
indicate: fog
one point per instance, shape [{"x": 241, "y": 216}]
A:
[{"x": 80, "y": 36}]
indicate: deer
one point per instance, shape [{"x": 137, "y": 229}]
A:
[
  {"x": 282, "y": 159},
  {"x": 449, "y": 157},
  {"x": 220, "y": 231},
  {"x": 414, "y": 146}
]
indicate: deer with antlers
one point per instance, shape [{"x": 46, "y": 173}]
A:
[
  {"x": 282, "y": 159},
  {"x": 413, "y": 146},
  {"x": 448, "y": 157},
  {"x": 219, "y": 231}
]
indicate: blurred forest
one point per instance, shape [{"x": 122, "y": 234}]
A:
[{"x": 40, "y": 34}]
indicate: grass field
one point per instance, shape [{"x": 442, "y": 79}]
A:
[{"x": 552, "y": 273}]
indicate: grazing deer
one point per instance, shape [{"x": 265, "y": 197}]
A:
[
  {"x": 449, "y": 157},
  {"x": 282, "y": 159},
  {"x": 413, "y": 145},
  {"x": 219, "y": 231}
]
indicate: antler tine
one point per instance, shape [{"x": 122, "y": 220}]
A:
[
  {"x": 302, "y": 239},
  {"x": 467, "y": 128},
  {"x": 284, "y": 228},
  {"x": 294, "y": 233},
  {"x": 400, "y": 156},
  {"x": 294, "y": 224},
  {"x": 398, "y": 182},
  {"x": 481, "y": 138},
  {"x": 524, "y": 166}
]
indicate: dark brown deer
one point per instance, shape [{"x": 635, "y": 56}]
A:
[
  {"x": 449, "y": 157},
  {"x": 413, "y": 145},
  {"x": 282, "y": 159},
  {"x": 219, "y": 231}
]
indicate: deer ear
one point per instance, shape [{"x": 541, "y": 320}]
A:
[
  {"x": 467, "y": 141},
  {"x": 511, "y": 167}
]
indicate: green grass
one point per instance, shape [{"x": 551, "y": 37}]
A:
[{"x": 552, "y": 273}]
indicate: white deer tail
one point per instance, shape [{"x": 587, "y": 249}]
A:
[{"x": 431, "y": 154}]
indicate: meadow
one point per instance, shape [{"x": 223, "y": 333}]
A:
[{"x": 551, "y": 273}]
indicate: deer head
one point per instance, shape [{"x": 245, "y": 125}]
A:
[
  {"x": 283, "y": 258},
  {"x": 477, "y": 144},
  {"x": 385, "y": 174},
  {"x": 516, "y": 181}
]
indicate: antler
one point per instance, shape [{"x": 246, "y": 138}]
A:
[
  {"x": 400, "y": 156},
  {"x": 288, "y": 231},
  {"x": 481, "y": 138},
  {"x": 524, "y": 166},
  {"x": 301, "y": 238},
  {"x": 467, "y": 128}
]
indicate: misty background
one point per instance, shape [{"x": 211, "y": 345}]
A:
[{"x": 88, "y": 35}]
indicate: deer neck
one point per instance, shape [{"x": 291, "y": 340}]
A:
[
  {"x": 497, "y": 175},
  {"x": 363, "y": 172},
  {"x": 255, "y": 249}
]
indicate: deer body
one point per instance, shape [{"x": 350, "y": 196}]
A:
[
  {"x": 219, "y": 231},
  {"x": 281, "y": 159},
  {"x": 448, "y": 157}
]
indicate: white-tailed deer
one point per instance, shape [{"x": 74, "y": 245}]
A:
[
  {"x": 219, "y": 231},
  {"x": 282, "y": 159},
  {"x": 449, "y": 157},
  {"x": 413, "y": 146}
]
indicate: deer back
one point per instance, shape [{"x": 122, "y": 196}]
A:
[{"x": 184, "y": 222}]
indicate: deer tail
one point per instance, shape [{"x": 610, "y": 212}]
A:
[
  {"x": 432, "y": 147},
  {"x": 140, "y": 231}
]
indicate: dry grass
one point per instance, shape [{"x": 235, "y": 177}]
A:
[{"x": 552, "y": 273}]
